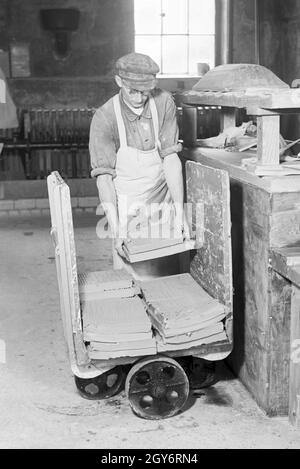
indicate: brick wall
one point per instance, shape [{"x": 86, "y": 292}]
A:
[{"x": 30, "y": 198}]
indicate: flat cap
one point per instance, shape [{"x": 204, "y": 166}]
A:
[{"x": 137, "y": 71}]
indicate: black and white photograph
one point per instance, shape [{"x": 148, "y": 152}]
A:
[{"x": 149, "y": 228}]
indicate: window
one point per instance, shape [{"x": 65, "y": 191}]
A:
[{"x": 177, "y": 34}]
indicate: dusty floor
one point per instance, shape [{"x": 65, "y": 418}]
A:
[{"x": 39, "y": 404}]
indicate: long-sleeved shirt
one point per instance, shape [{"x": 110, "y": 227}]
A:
[{"x": 104, "y": 136}]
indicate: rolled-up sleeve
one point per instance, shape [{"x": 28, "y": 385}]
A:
[
  {"x": 169, "y": 130},
  {"x": 102, "y": 146}
]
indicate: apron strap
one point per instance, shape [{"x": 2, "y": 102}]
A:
[
  {"x": 120, "y": 122},
  {"x": 121, "y": 125},
  {"x": 155, "y": 120}
]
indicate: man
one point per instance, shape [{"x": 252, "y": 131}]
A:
[{"x": 133, "y": 148}]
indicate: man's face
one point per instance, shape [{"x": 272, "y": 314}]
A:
[{"x": 134, "y": 97}]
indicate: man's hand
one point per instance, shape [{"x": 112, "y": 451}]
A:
[
  {"x": 118, "y": 245},
  {"x": 180, "y": 223}
]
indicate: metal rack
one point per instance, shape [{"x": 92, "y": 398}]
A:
[{"x": 47, "y": 140}]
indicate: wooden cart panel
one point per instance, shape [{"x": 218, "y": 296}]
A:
[{"x": 211, "y": 265}]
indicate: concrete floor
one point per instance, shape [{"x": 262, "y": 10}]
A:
[{"x": 39, "y": 404}]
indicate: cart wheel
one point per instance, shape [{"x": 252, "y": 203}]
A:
[
  {"x": 201, "y": 373},
  {"x": 103, "y": 386},
  {"x": 156, "y": 387}
]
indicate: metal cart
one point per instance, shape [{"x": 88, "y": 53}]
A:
[{"x": 156, "y": 386}]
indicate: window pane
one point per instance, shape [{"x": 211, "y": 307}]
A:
[
  {"x": 174, "y": 54},
  {"x": 147, "y": 16},
  {"x": 201, "y": 49},
  {"x": 175, "y": 16},
  {"x": 202, "y": 17},
  {"x": 149, "y": 45}
]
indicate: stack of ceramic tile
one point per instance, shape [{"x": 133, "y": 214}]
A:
[
  {"x": 141, "y": 249},
  {"x": 115, "y": 321},
  {"x": 182, "y": 313},
  {"x": 106, "y": 284}
]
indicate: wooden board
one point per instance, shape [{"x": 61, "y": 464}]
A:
[
  {"x": 250, "y": 280},
  {"x": 278, "y": 344},
  {"x": 271, "y": 170},
  {"x": 277, "y": 100},
  {"x": 268, "y": 140},
  {"x": 211, "y": 266},
  {"x": 294, "y": 378},
  {"x": 227, "y": 118},
  {"x": 65, "y": 255}
]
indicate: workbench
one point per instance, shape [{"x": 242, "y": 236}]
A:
[{"x": 265, "y": 214}]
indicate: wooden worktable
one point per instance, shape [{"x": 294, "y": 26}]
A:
[
  {"x": 265, "y": 214},
  {"x": 264, "y": 105}
]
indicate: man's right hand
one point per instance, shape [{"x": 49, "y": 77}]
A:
[{"x": 118, "y": 245}]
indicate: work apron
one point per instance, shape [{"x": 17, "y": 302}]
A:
[{"x": 143, "y": 198}]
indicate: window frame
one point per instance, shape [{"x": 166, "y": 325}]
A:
[{"x": 187, "y": 34}]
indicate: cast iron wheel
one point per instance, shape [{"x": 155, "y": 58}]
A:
[
  {"x": 156, "y": 387},
  {"x": 103, "y": 386}
]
